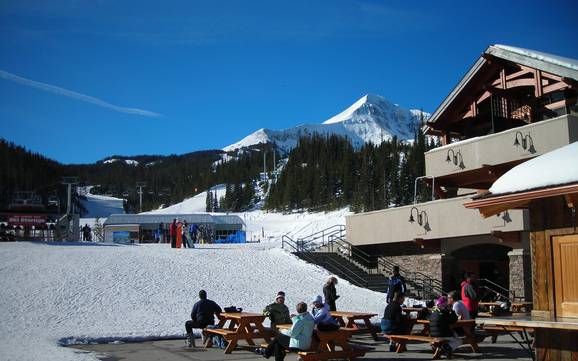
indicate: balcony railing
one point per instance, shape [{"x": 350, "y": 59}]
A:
[
  {"x": 431, "y": 220},
  {"x": 508, "y": 146}
]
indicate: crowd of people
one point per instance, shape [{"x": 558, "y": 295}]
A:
[
  {"x": 181, "y": 234},
  {"x": 443, "y": 312}
]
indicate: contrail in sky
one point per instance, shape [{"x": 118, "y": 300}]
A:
[{"x": 71, "y": 94}]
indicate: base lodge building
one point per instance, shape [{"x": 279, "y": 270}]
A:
[{"x": 513, "y": 105}]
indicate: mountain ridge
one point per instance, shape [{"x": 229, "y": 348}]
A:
[{"x": 372, "y": 118}]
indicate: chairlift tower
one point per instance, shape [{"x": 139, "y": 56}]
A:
[
  {"x": 140, "y": 186},
  {"x": 69, "y": 182}
]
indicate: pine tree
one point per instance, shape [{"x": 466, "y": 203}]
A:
[{"x": 209, "y": 201}]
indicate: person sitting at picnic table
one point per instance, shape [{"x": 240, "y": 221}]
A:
[
  {"x": 439, "y": 325},
  {"x": 330, "y": 293},
  {"x": 297, "y": 338},
  {"x": 396, "y": 284},
  {"x": 394, "y": 322},
  {"x": 458, "y": 306},
  {"x": 278, "y": 312},
  {"x": 322, "y": 316},
  {"x": 202, "y": 316}
]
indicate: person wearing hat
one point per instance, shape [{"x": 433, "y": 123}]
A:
[
  {"x": 322, "y": 317},
  {"x": 202, "y": 315},
  {"x": 396, "y": 284},
  {"x": 439, "y": 326},
  {"x": 278, "y": 312}
]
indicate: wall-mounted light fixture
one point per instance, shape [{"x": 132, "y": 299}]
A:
[
  {"x": 455, "y": 157},
  {"x": 525, "y": 141},
  {"x": 421, "y": 216}
]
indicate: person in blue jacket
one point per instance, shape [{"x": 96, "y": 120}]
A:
[
  {"x": 298, "y": 338},
  {"x": 396, "y": 284},
  {"x": 322, "y": 317}
]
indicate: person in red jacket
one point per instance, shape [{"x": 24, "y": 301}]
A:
[
  {"x": 173, "y": 233},
  {"x": 469, "y": 295}
]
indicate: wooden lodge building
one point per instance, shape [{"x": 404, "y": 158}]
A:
[{"x": 512, "y": 106}]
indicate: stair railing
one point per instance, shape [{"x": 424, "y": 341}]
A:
[
  {"x": 425, "y": 286},
  {"x": 323, "y": 235},
  {"x": 497, "y": 289}
]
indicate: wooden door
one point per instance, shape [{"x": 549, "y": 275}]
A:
[{"x": 565, "y": 254}]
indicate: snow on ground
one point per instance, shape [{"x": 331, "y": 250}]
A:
[
  {"x": 100, "y": 206},
  {"x": 263, "y": 225},
  {"x": 557, "y": 167},
  {"x": 83, "y": 292}
]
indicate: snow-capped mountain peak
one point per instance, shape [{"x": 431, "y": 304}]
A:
[{"x": 372, "y": 118}]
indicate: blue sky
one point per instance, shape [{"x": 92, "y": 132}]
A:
[{"x": 215, "y": 71}]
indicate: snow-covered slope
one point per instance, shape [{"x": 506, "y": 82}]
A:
[
  {"x": 195, "y": 204},
  {"x": 263, "y": 225},
  {"x": 71, "y": 293},
  {"x": 98, "y": 206},
  {"x": 370, "y": 119}
]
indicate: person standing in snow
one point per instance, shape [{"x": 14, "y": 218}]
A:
[
  {"x": 202, "y": 315},
  {"x": 322, "y": 317},
  {"x": 396, "y": 284},
  {"x": 185, "y": 235},
  {"x": 193, "y": 230},
  {"x": 278, "y": 312},
  {"x": 173, "y": 233},
  {"x": 159, "y": 233},
  {"x": 330, "y": 293},
  {"x": 469, "y": 295}
]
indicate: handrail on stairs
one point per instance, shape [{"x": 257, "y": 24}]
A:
[
  {"x": 502, "y": 291},
  {"x": 429, "y": 286}
]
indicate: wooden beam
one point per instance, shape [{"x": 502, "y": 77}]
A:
[
  {"x": 556, "y": 86},
  {"x": 556, "y": 105},
  {"x": 514, "y": 76},
  {"x": 538, "y": 83},
  {"x": 571, "y": 200},
  {"x": 524, "y": 82}
]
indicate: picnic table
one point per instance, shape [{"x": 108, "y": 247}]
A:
[
  {"x": 354, "y": 327},
  {"x": 436, "y": 343},
  {"x": 242, "y": 326},
  {"x": 515, "y": 307},
  {"x": 528, "y": 324},
  {"x": 408, "y": 310},
  {"x": 324, "y": 346}
]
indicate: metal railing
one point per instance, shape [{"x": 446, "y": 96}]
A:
[
  {"x": 499, "y": 291},
  {"x": 425, "y": 286},
  {"x": 319, "y": 238}
]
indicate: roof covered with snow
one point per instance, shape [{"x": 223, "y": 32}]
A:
[
  {"x": 553, "y": 64},
  {"x": 558, "y": 167},
  {"x": 117, "y": 219}
]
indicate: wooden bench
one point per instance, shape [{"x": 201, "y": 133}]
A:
[
  {"x": 401, "y": 341},
  {"x": 324, "y": 347},
  {"x": 495, "y": 331}
]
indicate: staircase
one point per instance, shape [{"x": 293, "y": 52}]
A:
[
  {"x": 329, "y": 249},
  {"x": 349, "y": 271}
]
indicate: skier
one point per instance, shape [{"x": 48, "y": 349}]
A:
[
  {"x": 193, "y": 230},
  {"x": 173, "y": 233}
]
